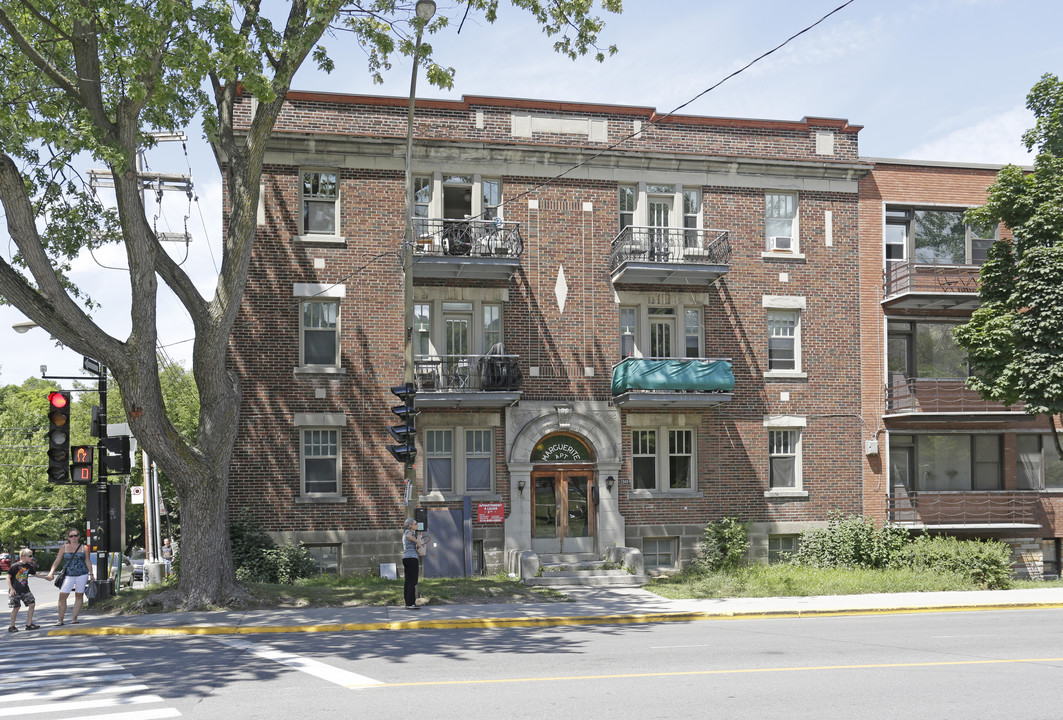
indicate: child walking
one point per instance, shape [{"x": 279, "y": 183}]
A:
[{"x": 18, "y": 588}]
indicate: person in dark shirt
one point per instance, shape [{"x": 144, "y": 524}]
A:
[{"x": 18, "y": 588}]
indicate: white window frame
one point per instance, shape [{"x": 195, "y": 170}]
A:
[
  {"x": 322, "y": 423},
  {"x": 306, "y": 235},
  {"x": 784, "y": 423},
  {"x": 640, "y": 333},
  {"x": 319, "y": 293},
  {"x": 651, "y": 549},
  {"x": 797, "y": 305},
  {"x": 1046, "y": 455},
  {"x": 459, "y": 459},
  {"x": 772, "y": 246},
  {"x": 903, "y": 215},
  {"x": 662, "y": 457}
]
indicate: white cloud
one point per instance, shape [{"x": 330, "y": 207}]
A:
[{"x": 995, "y": 140}]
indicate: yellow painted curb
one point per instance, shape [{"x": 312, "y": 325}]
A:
[{"x": 527, "y": 622}]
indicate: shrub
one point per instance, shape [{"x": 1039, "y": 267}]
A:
[
  {"x": 852, "y": 541},
  {"x": 986, "y": 563},
  {"x": 258, "y": 559},
  {"x": 724, "y": 545}
]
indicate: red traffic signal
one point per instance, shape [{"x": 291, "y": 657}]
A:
[{"x": 58, "y": 436}]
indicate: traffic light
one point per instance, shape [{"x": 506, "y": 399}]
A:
[
  {"x": 406, "y": 433},
  {"x": 81, "y": 464},
  {"x": 117, "y": 463},
  {"x": 58, "y": 437}
]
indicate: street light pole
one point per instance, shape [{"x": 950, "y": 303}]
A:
[{"x": 425, "y": 10}]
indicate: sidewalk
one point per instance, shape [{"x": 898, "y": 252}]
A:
[{"x": 588, "y": 606}]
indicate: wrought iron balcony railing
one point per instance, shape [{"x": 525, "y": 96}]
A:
[
  {"x": 471, "y": 238},
  {"x": 977, "y": 507},
  {"x": 467, "y": 373},
  {"x": 939, "y": 395},
  {"x": 670, "y": 246}
]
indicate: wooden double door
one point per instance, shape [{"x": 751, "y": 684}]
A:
[{"x": 564, "y": 515}]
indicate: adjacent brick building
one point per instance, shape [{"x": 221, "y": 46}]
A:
[
  {"x": 627, "y": 325},
  {"x": 946, "y": 461}
]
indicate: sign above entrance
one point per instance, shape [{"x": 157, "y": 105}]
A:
[{"x": 561, "y": 448}]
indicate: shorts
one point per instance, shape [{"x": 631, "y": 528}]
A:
[
  {"x": 75, "y": 583},
  {"x": 25, "y": 598}
]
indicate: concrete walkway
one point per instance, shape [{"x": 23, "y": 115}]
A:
[{"x": 587, "y": 606}]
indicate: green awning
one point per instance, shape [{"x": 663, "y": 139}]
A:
[{"x": 699, "y": 375}]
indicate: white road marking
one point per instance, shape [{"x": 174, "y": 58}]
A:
[
  {"x": 67, "y": 706},
  {"x": 156, "y": 714},
  {"x": 311, "y": 667},
  {"x": 64, "y": 678},
  {"x": 69, "y": 691}
]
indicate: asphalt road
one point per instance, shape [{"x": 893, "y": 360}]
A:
[{"x": 983, "y": 664}]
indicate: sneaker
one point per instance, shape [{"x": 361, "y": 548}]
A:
[
  {"x": 12, "y": 629},
  {"x": 413, "y": 607},
  {"x": 33, "y": 627}
]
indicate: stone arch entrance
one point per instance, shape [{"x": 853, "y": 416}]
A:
[{"x": 559, "y": 458}]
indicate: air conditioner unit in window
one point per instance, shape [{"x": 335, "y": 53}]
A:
[{"x": 781, "y": 244}]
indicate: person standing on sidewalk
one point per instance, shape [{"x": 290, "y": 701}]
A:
[
  {"x": 78, "y": 568},
  {"x": 18, "y": 588},
  {"x": 411, "y": 562}
]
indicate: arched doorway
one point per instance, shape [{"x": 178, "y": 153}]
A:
[{"x": 563, "y": 503}]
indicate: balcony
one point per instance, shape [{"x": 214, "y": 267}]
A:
[
  {"x": 492, "y": 380},
  {"x": 940, "y": 396},
  {"x": 672, "y": 382},
  {"x": 468, "y": 249},
  {"x": 930, "y": 286},
  {"x": 669, "y": 256},
  {"x": 966, "y": 510}
]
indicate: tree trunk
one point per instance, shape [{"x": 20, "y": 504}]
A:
[{"x": 206, "y": 574}]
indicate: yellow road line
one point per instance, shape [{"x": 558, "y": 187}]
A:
[{"x": 731, "y": 671}]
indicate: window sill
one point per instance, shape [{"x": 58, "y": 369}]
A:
[
  {"x": 785, "y": 375},
  {"x": 318, "y": 370},
  {"x": 320, "y": 239},
  {"x": 455, "y": 497},
  {"x": 664, "y": 494},
  {"x": 787, "y": 256},
  {"x": 320, "y": 499},
  {"x": 786, "y": 494}
]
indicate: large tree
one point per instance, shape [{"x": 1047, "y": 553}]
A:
[
  {"x": 92, "y": 79},
  {"x": 1014, "y": 340}
]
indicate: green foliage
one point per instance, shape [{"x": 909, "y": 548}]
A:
[
  {"x": 724, "y": 545},
  {"x": 1014, "y": 341},
  {"x": 985, "y": 563},
  {"x": 258, "y": 559},
  {"x": 35, "y": 511},
  {"x": 852, "y": 541}
]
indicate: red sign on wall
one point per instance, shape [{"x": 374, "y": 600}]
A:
[{"x": 490, "y": 512}]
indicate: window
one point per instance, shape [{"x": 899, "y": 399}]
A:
[
  {"x": 466, "y": 467},
  {"x": 936, "y": 236},
  {"x": 320, "y": 333},
  {"x": 691, "y": 212},
  {"x": 320, "y": 197},
  {"x": 785, "y": 436},
  {"x": 950, "y": 462},
  {"x": 1039, "y": 464},
  {"x": 422, "y": 200},
  {"x": 673, "y": 464},
  {"x": 781, "y": 547},
  {"x": 492, "y": 198},
  {"x": 627, "y": 332},
  {"x": 492, "y": 326},
  {"x": 783, "y": 340},
  {"x": 450, "y": 338},
  {"x": 924, "y": 350},
  {"x": 422, "y": 324},
  {"x": 627, "y": 206},
  {"x": 782, "y": 458},
  {"x": 325, "y": 557},
  {"x": 659, "y": 552},
  {"x": 780, "y": 222},
  {"x": 321, "y": 461},
  {"x": 670, "y": 331}
]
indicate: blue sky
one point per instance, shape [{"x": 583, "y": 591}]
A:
[{"x": 931, "y": 80}]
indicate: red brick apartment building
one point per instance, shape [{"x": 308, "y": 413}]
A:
[
  {"x": 627, "y": 325},
  {"x": 944, "y": 461}
]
